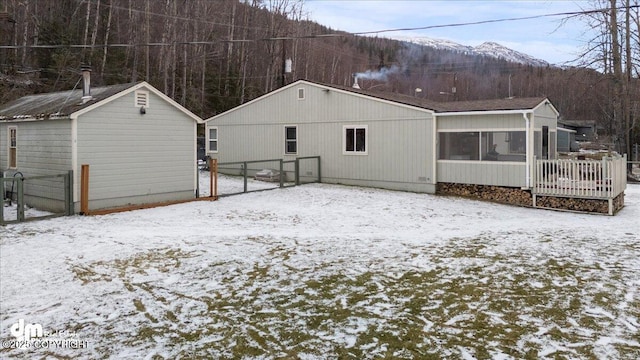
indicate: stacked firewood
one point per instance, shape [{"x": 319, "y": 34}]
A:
[
  {"x": 499, "y": 194},
  {"x": 515, "y": 196},
  {"x": 574, "y": 204}
]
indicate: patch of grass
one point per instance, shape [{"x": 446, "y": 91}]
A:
[
  {"x": 485, "y": 303},
  {"x": 86, "y": 274}
]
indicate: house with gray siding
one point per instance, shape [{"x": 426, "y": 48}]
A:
[
  {"x": 387, "y": 140},
  {"x": 140, "y": 145}
]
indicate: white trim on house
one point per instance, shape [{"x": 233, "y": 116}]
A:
[
  {"x": 473, "y": 162},
  {"x": 484, "y": 112},
  {"x": 483, "y": 130},
  {"x": 355, "y": 140},
  {"x": 9, "y": 147},
  {"x": 196, "y": 185},
  {"x": 547, "y": 102},
  {"x": 207, "y": 140},
  {"x": 566, "y": 130},
  {"x": 529, "y": 123},
  {"x": 286, "y": 140},
  {"x": 74, "y": 158},
  {"x": 141, "y": 99},
  {"x": 434, "y": 148}
]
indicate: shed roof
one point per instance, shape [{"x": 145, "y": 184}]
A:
[
  {"x": 56, "y": 104},
  {"x": 578, "y": 123},
  {"x": 452, "y": 106},
  {"x": 491, "y": 105},
  {"x": 69, "y": 103}
]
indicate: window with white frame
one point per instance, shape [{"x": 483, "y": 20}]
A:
[
  {"x": 354, "y": 140},
  {"x": 13, "y": 147},
  {"x": 212, "y": 141},
  {"x": 290, "y": 139},
  {"x": 141, "y": 98}
]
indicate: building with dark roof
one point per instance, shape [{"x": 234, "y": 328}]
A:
[
  {"x": 390, "y": 140},
  {"x": 140, "y": 145}
]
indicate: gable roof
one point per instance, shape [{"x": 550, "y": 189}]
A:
[
  {"x": 68, "y": 104},
  {"x": 450, "y": 108},
  {"x": 507, "y": 104},
  {"x": 55, "y": 104},
  {"x": 399, "y": 99}
]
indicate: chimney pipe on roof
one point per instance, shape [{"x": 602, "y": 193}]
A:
[
  {"x": 355, "y": 82},
  {"x": 86, "y": 83}
]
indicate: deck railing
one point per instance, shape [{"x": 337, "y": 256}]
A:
[{"x": 592, "y": 179}]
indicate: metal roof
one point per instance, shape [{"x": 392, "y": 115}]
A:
[{"x": 56, "y": 104}]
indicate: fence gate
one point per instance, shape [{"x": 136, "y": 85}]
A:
[
  {"x": 35, "y": 197},
  {"x": 231, "y": 178}
]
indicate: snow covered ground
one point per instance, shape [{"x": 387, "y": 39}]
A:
[
  {"x": 321, "y": 271},
  {"x": 10, "y": 212}
]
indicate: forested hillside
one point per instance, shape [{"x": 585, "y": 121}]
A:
[{"x": 213, "y": 55}]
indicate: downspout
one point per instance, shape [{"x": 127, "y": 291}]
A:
[
  {"x": 527, "y": 151},
  {"x": 434, "y": 149},
  {"x": 75, "y": 197}
]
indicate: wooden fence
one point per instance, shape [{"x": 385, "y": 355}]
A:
[{"x": 589, "y": 179}]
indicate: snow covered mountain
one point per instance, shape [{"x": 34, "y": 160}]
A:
[
  {"x": 485, "y": 49},
  {"x": 503, "y": 52}
]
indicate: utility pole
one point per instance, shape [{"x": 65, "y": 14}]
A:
[
  {"x": 284, "y": 64},
  {"x": 454, "y": 89}
]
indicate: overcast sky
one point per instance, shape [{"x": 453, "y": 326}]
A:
[{"x": 544, "y": 38}]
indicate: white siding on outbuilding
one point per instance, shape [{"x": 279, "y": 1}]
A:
[
  {"x": 43, "y": 148},
  {"x": 136, "y": 158},
  {"x": 140, "y": 146}
]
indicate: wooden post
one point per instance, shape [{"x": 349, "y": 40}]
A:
[
  {"x": 84, "y": 190},
  {"x": 213, "y": 178}
]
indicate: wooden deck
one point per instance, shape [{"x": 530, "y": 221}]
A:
[{"x": 602, "y": 179}]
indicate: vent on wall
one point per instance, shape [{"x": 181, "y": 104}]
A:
[
  {"x": 301, "y": 94},
  {"x": 142, "y": 99}
]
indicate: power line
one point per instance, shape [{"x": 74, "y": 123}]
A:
[
  {"x": 311, "y": 36},
  {"x": 571, "y": 13}
]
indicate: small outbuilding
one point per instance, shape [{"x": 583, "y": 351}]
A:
[
  {"x": 140, "y": 145},
  {"x": 390, "y": 141}
]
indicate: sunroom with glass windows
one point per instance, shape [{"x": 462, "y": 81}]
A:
[{"x": 494, "y": 147}]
